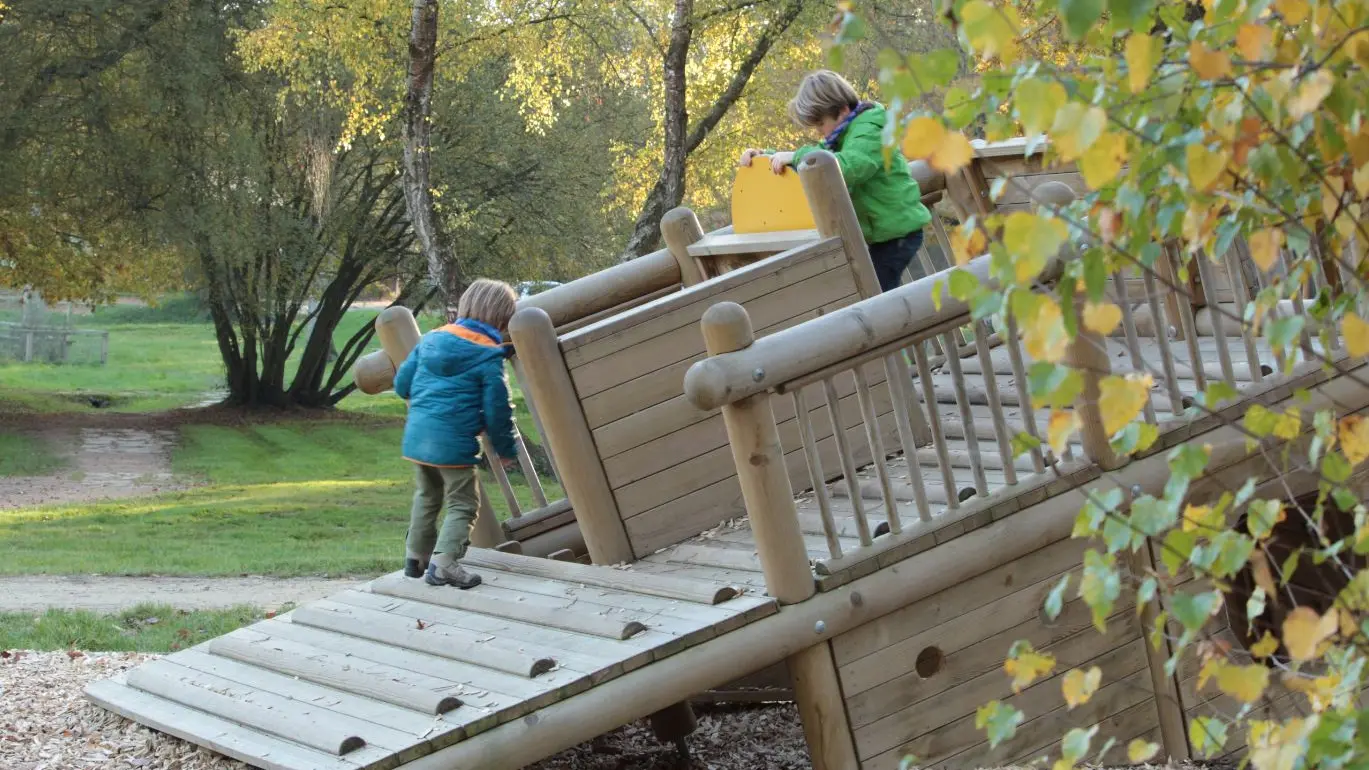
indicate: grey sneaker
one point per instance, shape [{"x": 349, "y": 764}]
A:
[{"x": 455, "y": 575}]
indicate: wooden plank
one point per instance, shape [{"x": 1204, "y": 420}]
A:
[
  {"x": 599, "y": 576},
  {"x": 434, "y": 639},
  {"x": 655, "y": 564},
  {"x": 686, "y": 342},
  {"x": 668, "y": 382},
  {"x": 378, "y": 682},
  {"x": 751, "y": 243},
  {"x": 727, "y": 558},
  {"x": 470, "y": 601},
  {"x": 274, "y": 715},
  {"x": 1120, "y": 727},
  {"x": 685, "y": 308},
  {"x": 221, "y": 735},
  {"x": 970, "y": 595},
  {"x": 696, "y": 472}
]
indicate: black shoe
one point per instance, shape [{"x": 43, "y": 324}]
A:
[
  {"x": 454, "y": 575},
  {"x": 414, "y": 568}
]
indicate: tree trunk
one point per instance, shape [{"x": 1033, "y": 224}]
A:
[
  {"x": 443, "y": 270},
  {"x": 680, "y": 140}
]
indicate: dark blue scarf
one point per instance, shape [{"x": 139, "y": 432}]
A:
[{"x": 829, "y": 142}]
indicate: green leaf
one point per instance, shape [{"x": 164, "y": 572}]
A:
[
  {"x": 1188, "y": 460},
  {"x": 1178, "y": 549},
  {"x": 939, "y": 67},
  {"x": 1284, "y": 331},
  {"x": 1149, "y": 587},
  {"x": 1080, "y": 15},
  {"x": 963, "y": 284},
  {"x": 1135, "y": 437},
  {"x": 1207, "y": 735},
  {"x": 1244, "y": 493},
  {"x": 1233, "y": 550},
  {"x": 1056, "y": 598},
  {"x": 1193, "y": 610},
  {"x": 1023, "y": 443},
  {"x": 1152, "y": 516},
  {"x": 999, "y": 720},
  {"x": 1336, "y": 468},
  {"x": 959, "y": 108},
  {"x": 1254, "y": 606},
  {"x": 1130, "y": 13},
  {"x": 1216, "y": 393},
  {"x": 1095, "y": 274},
  {"x": 1261, "y": 517},
  {"x": 1054, "y": 385},
  {"x": 1100, "y": 586}
]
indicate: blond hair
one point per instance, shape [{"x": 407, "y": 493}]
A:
[
  {"x": 822, "y": 94},
  {"x": 488, "y": 301}
]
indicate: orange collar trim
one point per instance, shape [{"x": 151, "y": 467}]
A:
[{"x": 470, "y": 335}]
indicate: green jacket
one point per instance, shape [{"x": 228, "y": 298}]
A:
[{"x": 888, "y": 201}]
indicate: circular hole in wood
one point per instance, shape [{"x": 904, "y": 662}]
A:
[
  {"x": 965, "y": 494},
  {"x": 929, "y": 662}
]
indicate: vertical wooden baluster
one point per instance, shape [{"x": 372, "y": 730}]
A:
[
  {"x": 876, "y": 443},
  {"x": 943, "y": 457},
  {"x": 815, "y": 474},
  {"x": 962, "y": 400},
  {"x": 942, "y": 240},
  {"x": 848, "y": 462},
  {"x": 1236, "y": 277},
  {"x": 1138, "y": 363},
  {"x": 1000, "y": 425},
  {"x": 497, "y": 468},
  {"x": 1024, "y": 398},
  {"x": 539, "y": 495},
  {"x": 1157, "y": 312},
  {"x": 519, "y": 378},
  {"x": 1190, "y": 327},
  {"x": 894, "y": 366},
  {"x": 1214, "y": 313}
]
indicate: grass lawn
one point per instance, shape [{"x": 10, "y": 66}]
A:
[
  {"x": 289, "y": 498},
  {"x": 144, "y": 628},
  {"x": 22, "y": 455}
]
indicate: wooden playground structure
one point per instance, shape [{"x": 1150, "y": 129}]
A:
[{"x": 766, "y": 463}]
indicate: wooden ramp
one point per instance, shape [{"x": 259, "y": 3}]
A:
[{"x": 395, "y": 669}]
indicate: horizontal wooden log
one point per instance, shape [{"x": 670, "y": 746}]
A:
[
  {"x": 606, "y": 289},
  {"x": 472, "y": 601},
  {"x": 376, "y": 681},
  {"x": 442, "y": 641},
  {"x": 618, "y": 580}
]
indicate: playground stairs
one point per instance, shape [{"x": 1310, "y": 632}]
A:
[{"x": 769, "y": 462}]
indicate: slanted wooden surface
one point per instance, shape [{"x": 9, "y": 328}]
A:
[{"x": 395, "y": 669}]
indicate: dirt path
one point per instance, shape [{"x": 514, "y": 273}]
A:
[
  {"x": 102, "y": 464},
  {"x": 104, "y": 593}
]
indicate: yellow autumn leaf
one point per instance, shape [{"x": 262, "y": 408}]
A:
[
  {"x": 1077, "y": 126},
  {"x": 1356, "y": 333},
  {"x": 992, "y": 31},
  {"x": 1059, "y": 429},
  {"x": 1353, "y": 433},
  {"x": 922, "y": 137},
  {"x": 1102, "y": 162},
  {"x": 1309, "y": 96},
  {"x": 1203, "y": 519},
  {"x": 1264, "y": 247},
  {"x": 1141, "y": 750},
  {"x": 953, "y": 154},
  {"x": 1304, "y": 630},
  {"x": 1027, "y": 667},
  {"x": 1252, "y": 40},
  {"x": 1244, "y": 683},
  {"x": 1031, "y": 241},
  {"x": 966, "y": 247},
  {"x": 1142, "y": 53},
  {"x": 1204, "y": 166},
  {"x": 1079, "y": 685},
  {"x": 1267, "y": 646},
  {"x": 1043, "y": 333},
  {"x": 1209, "y": 64},
  {"x": 1321, "y": 691},
  {"x": 1120, "y": 399},
  {"x": 1361, "y": 180},
  {"x": 1289, "y": 424},
  {"x": 1292, "y": 11},
  {"x": 1101, "y": 317}
]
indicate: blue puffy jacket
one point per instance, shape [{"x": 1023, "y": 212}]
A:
[{"x": 455, "y": 383}]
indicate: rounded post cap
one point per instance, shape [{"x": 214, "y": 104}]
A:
[
  {"x": 1053, "y": 195},
  {"x": 727, "y": 327},
  {"x": 928, "y": 179},
  {"x": 705, "y": 385},
  {"x": 394, "y": 313},
  {"x": 679, "y": 213},
  {"x": 530, "y": 319},
  {"x": 818, "y": 159}
]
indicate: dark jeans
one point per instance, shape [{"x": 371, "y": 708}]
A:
[{"x": 891, "y": 258}]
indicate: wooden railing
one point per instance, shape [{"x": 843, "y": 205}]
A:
[{"x": 895, "y": 331}]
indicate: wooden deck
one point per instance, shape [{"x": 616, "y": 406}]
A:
[{"x": 395, "y": 669}]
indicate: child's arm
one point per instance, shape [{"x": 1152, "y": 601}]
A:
[
  {"x": 404, "y": 378},
  {"x": 861, "y": 155},
  {"x": 498, "y": 411}
]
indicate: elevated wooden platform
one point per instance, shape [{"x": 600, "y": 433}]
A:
[{"x": 395, "y": 669}]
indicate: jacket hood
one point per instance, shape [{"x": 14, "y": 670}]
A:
[{"x": 453, "y": 349}]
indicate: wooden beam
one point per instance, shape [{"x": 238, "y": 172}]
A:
[
  {"x": 822, "y": 708},
  {"x": 617, "y": 580},
  {"x": 836, "y": 216},
  {"x": 607, "y": 288},
  {"x": 681, "y": 229}
]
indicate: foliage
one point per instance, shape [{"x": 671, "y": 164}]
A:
[{"x": 1199, "y": 126}]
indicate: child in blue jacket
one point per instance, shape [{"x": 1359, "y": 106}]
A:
[{"x": 455, "y": 384}]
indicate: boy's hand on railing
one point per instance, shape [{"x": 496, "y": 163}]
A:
[
  {"x": 748, "y": 155},
  {"x": 508, "y": 463},
  {"x": 780, "y": 161}
]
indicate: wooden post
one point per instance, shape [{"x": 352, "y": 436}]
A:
[
  {"x": 834, "y": 215},
  {"x": 1169, "y": 708},
  {"x": 817, "y": 690},
  {"x": 398, "y": 333},
  {"x": 568, "y": 436},
  {"x": 536, "y": 419},
  {"x": 681, "y": 229},
  {"x": 672, "y": 723},
  {"x": 755, "y": 442}
]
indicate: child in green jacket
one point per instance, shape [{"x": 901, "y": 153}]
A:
[{"x": 887, "y": 199}]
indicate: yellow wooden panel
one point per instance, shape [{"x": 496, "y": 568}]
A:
[{"x": 766, "y": 202}]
